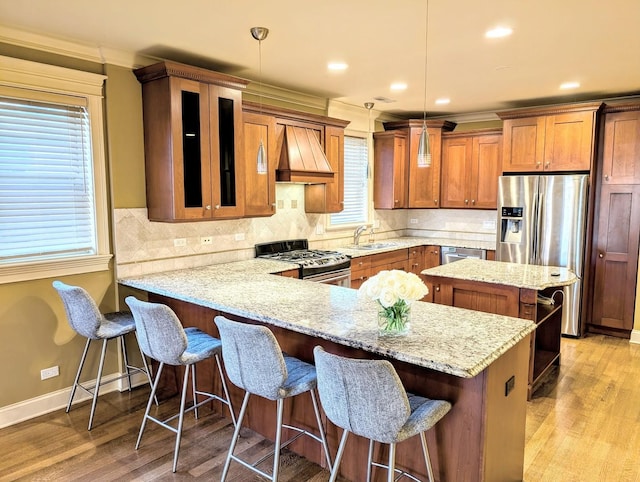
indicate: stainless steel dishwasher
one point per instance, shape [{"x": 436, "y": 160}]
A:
[{"x": 449, "y": 254}]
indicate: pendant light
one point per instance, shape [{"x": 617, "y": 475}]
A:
[
  {"x": 260, "y": 33},
  {"x": 424, "y": 150}
]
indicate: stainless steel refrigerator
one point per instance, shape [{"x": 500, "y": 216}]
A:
[{"x": 542, "y": 220}]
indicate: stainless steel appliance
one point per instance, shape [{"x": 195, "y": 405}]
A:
[
  {"x": 542, "y": 220},
  {"x": 329, "y": 267},
  {"x": 449, "y": 254}
]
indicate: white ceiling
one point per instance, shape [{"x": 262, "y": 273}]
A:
[{"x": 594, "y": 42}]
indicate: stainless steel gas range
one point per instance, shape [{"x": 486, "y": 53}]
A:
[{"x": 330, "y": 267}]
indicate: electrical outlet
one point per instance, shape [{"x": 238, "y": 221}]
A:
[
  {"x": 49, "y": 372},
  {"x": 294, "y": 203},
  {"x": 413, "y": 221},
  {"x": 206, "y": 240},
  {"x": 509, "y": 384},
  {"x": 178, "y": 242},
  {"x": 319, "y": 228},
  {"x": 239, "y": 236}
]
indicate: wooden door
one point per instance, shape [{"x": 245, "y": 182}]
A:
[
  {"x": 390, "y": 172},
  {"x": 523, "y": 144},
  {"x": 616, "y": 257},
  {"x": 431, "y": 260},
  {"x": 456, "y": 171},
  {"x": 424, "y": 182},
  {"x": 260, "y": 187},
  {"x": 568, "y": 144},
  {"x": 486, "y": 168},
  {"x": 621, "y": 148}
]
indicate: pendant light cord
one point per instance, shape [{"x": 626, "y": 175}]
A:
[{"x": 426, "y": 43}]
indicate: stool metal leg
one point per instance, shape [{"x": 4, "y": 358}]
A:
[
  {"x": 151, "y": 397},
  {"x": 336, "y": 463},
  {"x": 77, "y": 380},
  {"x": 96, "y": 389},
  {"x": 226, "y": 391},
  {"x": 193, "y": 388},
  {"x": 391, "y": 474},
  {"x": 183, "y": 400},
  {"x": 425, "y": 452},
  {"x": 236, "y": 434},
  {"x": 125, "y": 357},
  {"x": 370, "y": 460},
  {"x": 323, "y": 438},
  {"x": 276, "y": 455}
]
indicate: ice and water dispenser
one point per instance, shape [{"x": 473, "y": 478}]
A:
[{"x": 511, "y": 225}]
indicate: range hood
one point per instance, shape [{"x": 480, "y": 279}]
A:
[{"x": 302, "y": 158}]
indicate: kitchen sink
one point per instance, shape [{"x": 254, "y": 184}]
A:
[{"x": 370, "y": 246}]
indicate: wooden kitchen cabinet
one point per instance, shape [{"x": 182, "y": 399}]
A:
[
  {"x": 615, "y": 257},
  {"x": 390, "y": 170},
  {"x": 329, "y": 197},
  {"x": 431, "y": 260},
  {"x": 621, "y": 144},
  {"x": 471, "y": 165},
  {"x": 259, "y": 188},
  {"x": 364, "y": 267},
  {"x": 398, "y": 180},
  {"x": 193, "y": 142},
  {"x": 549, "y": 140}
]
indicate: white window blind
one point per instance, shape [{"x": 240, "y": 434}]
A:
[
  {"x": 356, "y": 192},
  {"x": 46, "y": 182}
]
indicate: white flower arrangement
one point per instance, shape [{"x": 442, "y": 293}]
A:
[{"x": 394, "y": 290}]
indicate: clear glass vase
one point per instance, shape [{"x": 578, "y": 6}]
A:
[{"x": 394, "y": 320}]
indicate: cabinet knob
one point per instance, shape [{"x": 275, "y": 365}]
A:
[
  {"x": 546, "y": 166},
  {"x": 437, "y": 288},
  {"x": 208, "y": 207},
  {"x": 273, "y": 204},
  {"x": 396, "y": 201},
  {"x": 601, "y": 255},
  {"x": 217, "y": 206},
  {"x": 606, "y": 177},
  {"x": 466, "y": 201},
  {"x": 473, "y": 202},
  {"x": 538, "y": 164},
  {"x": 435, "y": 201}
]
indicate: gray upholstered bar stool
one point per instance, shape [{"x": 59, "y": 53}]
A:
[
  {"x": 162, "y": 337},
  {"x": 86, "y": 320},
  {"x": 255, "y": 363},
  {"x": 366, "y": 397}
]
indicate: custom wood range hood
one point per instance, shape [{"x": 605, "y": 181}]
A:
[{"x": 302, "y": 158}]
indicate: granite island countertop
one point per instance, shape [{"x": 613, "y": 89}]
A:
[
  {"x": 511, "y": 274},
  {"x": 451, "y": 340}
]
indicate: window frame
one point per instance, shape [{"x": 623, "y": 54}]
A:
[
  {"x": 34, "y": 81},
  {"x": 369, "y": 140}
]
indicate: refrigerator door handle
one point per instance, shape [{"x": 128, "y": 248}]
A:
[{"x": 537, "y": 215}]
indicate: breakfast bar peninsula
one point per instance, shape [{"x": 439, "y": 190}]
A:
[{"x": 477, "y": 361}]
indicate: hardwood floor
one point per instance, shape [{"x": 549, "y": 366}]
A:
[{"x": 582, "y": 425}]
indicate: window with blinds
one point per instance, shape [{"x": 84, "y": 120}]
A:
[
  {"x": 356, "y": 191},
  {"x": 47, "y": 205}
]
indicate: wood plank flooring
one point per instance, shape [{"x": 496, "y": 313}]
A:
[{"x": 582, "y": 425}]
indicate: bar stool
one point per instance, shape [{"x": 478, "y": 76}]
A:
[
  {"x": 366, "y": 397},
  {"x": 162, "y": 337},
  {"x": 255, "y": 363},
  {"x": 86, "y": 320}
]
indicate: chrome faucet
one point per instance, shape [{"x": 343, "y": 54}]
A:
[{"x": 356, "y": 234}]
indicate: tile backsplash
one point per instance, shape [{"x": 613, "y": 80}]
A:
[{"x": 143, "y": 247}]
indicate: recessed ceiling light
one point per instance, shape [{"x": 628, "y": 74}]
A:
[
  {"x": 398, "y": 86},
  {"x": 498, "y": 32},
  {"x": 337, "y": 66},
  {"x": 442, "y": 101},
  {"x": 569, "y": 85}
]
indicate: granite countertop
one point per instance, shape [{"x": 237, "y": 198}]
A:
[
  {"x": 512, "y": 274},
  {"x": 446, "y": 339},
  {"x": 410, "y": 242}
]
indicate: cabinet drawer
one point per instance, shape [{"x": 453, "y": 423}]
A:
[
  {"x": 359, "y": 263},
  {"x": 390, "y": 257}
]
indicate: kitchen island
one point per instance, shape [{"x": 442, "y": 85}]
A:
[
  {"x": 478, "y": 361},
  {"x": 526, "y": 291}
]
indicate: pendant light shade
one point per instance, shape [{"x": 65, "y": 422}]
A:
[
  {"x": 424, "y": 150},
  {"x": 260, "y": 33}
]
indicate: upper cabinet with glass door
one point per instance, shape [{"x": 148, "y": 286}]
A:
[{"x": 193, "y": 136}]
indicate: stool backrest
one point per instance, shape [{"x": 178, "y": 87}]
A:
[
  {"x": 159, "y": 331},
  {"x": 252, "y": 357},
  {"x": 82, "y": 312},
  {"x": 365, "y": 397}
]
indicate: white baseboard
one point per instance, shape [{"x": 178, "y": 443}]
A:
[
  {"x": 635, "y": 337},
  {"x": 50, "y": 402}
]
